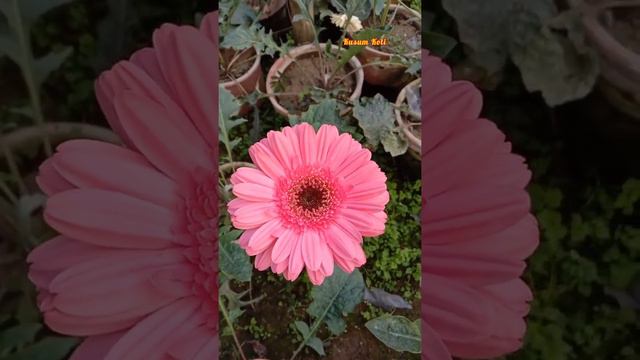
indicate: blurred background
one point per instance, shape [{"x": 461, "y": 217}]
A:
[
  {"x": 51, "y": 51},
  {"x": 561, "y": 78}
]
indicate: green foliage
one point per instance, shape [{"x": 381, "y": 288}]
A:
[
  {"x": 336, "y": 297},
  {"x": 377, "y": 119},
  {"x": 393, "y": 259},
  {"x": 397, "y": 332},
  {"x": 531, "y": 34},
  {"x": 234, "y": 262}
]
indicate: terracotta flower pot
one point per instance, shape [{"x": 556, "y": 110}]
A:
[
  {"x": 387, "y": 75},
  {"x": 620, "y": 64},
  {"x": 246, "y": 83},
  {"x": 283, "y": 63},
  {"x": 413, "y": 137}
]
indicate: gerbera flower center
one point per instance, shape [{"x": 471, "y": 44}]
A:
[{"x": 309, "y": 198}]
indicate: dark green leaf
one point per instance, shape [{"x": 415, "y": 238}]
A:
[
  {"x": 397, "y": 332},
  {"x": 336, "y": 297},
  {"x": 49, "y": 348},
  {"x": 317, "y": 345},
  {"x": 234, "y": 262},
  {"x": 376, "y": 117}
]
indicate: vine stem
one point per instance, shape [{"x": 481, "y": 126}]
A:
[
  {"x": 233, "y": 333},
  {"x": 29, "y": 77}
]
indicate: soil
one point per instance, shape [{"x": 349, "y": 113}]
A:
[
  {"x": 404, "y": 36},
  {"x": 278, "y": 309},
  {"x": 240, "y": 66},
  {"x": 306, "y": 73},
  {"x": 626, "y": 27}
]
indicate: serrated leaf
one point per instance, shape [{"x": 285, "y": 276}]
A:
[
  {"x": 326, "y": 112},
  {"x": 375, "y": 117},
  {"x": 228, "y": 106},
  {"x": 49, "y": 348},
  {"x": 239, "y": 38},
  {"x": 18, "y": 336},
  {"x": 336, "y": 297},
  {"x": 394, "y": 142},
  {"x": 396, "y": 332},
  {"x": 317, "y": 345},
  {"x": 303, "y": 328},
  {"x": 385, "y": 300},
  {"x": 44, "y": 66},
  {"x": 550, "y": 62},
  {"x": 234, "y": 262}
]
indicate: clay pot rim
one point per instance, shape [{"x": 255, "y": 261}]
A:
[
  {"x": 389, "y": 55},
  {"x": 283, "y": 62},
  {"x": 414, "y": 142},
  {"x": 264, "y": 16},
  {"x": 247, "y": 74}
]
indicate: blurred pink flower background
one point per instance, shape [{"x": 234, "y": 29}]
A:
[
  {"x": 134, "y": 269},
  {"x": 477, "y": 229},
  {"x": 309, "y": 203}
]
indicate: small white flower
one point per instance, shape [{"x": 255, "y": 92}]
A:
[{"x": 340, "y": 20}]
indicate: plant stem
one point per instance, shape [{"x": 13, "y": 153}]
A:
[
  {"x": 28, "y": 74},
  {"x": 233, "y": 333},
  {"x": 312, "y": 331}
]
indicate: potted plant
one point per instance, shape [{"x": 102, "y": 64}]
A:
[
  {"x": 305, "y": 74},
  {"x": 243, "y": 40},
  {"x": 409, "y": 115},
  {"x": 394, "y": 62}
]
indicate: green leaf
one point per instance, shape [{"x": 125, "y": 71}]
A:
[
  {"x": 44, "y": 66},
  {"x": 550, "y": 62},
  {"x": 438, "y": 44},
  {"x": 18, "y": 336},
  {"x": 326, "y": 112},
  {"x": 353, "y": 50},
  {"x": 239, "y": 38},
  {"x": 303, "y": 328},
  {"x": 377, "y": 5},
  {"x": 234, "y": 262},
  {"x": 317, "y": 345},
  {"x": 394, "y": 142},
  {"x": 375, "y": 117},
  {"x": 336, "y": 297},
  {"x": 396, "y": 332},
  {"x": 228, "y": 106},
  {"x": 49, "y": 348}
]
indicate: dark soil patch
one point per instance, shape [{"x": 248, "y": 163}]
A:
[
  {"x": 286, "y": 302},
  {"x": 307, "y": 72},
  {"x": 234, "y": 64}
]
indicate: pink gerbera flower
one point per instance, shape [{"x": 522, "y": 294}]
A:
[
  {"x": 309, "y": 203},
  {"x": 134, "y": 268},
  {"x": 477, "y": 229}
]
